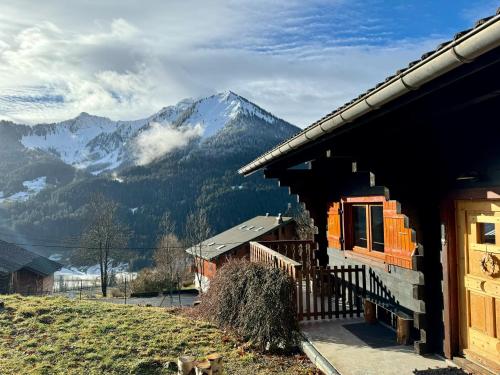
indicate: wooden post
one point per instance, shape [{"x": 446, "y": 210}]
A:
[
  {"x": 336, "y": 289},
  {"x": 185, "y": 365},
  {"x": 203, "y": 368},
  {"x": 343, "y": 291},
  {"x": 350, "y": 290},
  {"x": 125, "y": 290},
  {"x": 370, "y": 312},
  {"x": 307, "y": 270},
  {"x": 299, "y": 294},
  {"x": 357, "y": 297},
  {"x": 403, "y": 331},
  {"x": 215, "y": 360},
  {"x": 314, "y": 292}
]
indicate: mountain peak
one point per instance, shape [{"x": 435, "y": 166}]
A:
[
  {"x": 88, "y": 116},
  {"x": 99, "y": 144},
  {"x": 227, "y": 95}
]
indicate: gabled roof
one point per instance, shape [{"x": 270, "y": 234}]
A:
[
  {"x": 240, "y": 234},
  {"x": 13, "y": 258},
  {"x": 466, "y": 46}
]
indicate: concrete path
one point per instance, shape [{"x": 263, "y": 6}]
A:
[
  {"x": 186, "y": 301},
  {"x": 353, "y": 347}
]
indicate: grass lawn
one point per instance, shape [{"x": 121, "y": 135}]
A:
[{"x": 55, "y": 335}]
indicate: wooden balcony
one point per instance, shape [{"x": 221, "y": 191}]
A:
[
  {"x": 300, "y": 251},
  {"x": 320, "y": 292}
]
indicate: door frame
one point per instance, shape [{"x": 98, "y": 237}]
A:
[
  {"x": 449, "y": 253},
  {"x": 462, "y": 206}
]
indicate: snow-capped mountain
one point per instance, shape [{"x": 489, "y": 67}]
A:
[
  {"x": 183, "y": 157},
  {"x": 98, "y": 144},
  {"x": 85, "y": 142}
]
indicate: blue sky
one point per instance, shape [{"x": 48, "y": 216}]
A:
[{"x": 126, "y": 59}]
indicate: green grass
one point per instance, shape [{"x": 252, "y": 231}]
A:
[{"x": 55, "y": 335}]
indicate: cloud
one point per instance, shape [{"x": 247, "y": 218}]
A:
[
  {"x": 124, "y": 60},
  {"x": 159, "y": 140}
]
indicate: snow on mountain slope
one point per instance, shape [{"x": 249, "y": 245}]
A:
[
  {"x": 99, "y": 144},
  {"x": 84, "y": 142},
  {"x": 33, "y": 187},
  {"x": 214, "y": 112}
]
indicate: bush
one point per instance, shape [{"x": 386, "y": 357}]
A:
[
  {"x": 116, "y": 293},
  {"x": 254, "y": 300},
  {"x": 149, "y": 280}
]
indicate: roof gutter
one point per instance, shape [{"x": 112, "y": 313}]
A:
[{"x": 461, "y": 51}]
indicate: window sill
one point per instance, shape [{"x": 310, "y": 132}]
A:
[
  {"x": 369, "y": 254},
  {"x": 365, "y": 258}
]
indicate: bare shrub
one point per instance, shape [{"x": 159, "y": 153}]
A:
[
  {"x": 254, "y": 300},
  {"x": 116, "y": 293},
  {"x": 149, "y": 280}
]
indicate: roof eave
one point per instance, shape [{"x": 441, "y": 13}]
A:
[{"x": 463, "y": 50}]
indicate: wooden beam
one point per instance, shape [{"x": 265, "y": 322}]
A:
[
  {"x": 403, "y": 330},
  {"x": 370, "y": 312},
  {"x": 450, "y": 280}
]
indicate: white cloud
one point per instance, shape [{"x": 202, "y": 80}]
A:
[
  {"x": 159, "y": 139},
  {"x": 126, "y": 60}
]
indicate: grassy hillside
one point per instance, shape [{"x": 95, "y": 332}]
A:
[{"x": 47, "y": 335}]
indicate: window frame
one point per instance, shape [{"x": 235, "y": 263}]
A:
[{"x": 348, "y": 222}]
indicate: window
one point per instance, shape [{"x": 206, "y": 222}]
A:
[
  {"x": 374, "y": 227},
  {"x": 359, "y": 225},
  {"x": 367, "y": 228},
  {"x": 377, "y": 226},
  {"x": 486, "y": 233}
]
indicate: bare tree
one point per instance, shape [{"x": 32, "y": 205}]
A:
[
  {"x": 170, "y": 258},
  {"x": 197, "y": 230},
  {"x": 105, "y": 237}
]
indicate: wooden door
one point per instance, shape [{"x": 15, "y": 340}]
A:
[{"x": 478, "y": 233}]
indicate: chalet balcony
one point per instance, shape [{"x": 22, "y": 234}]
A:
[{"x": 320, "y": 292}]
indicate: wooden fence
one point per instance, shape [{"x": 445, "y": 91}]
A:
[{"x": 320, "y": 292}]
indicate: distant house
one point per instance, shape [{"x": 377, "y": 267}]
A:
[
  {"x": 234, "y": 242},
  {"x": 24, "y": 272}
]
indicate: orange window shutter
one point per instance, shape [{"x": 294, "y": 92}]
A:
[
  {"x": 399, "y": 239},
  {"x": 334, "y": 229}
]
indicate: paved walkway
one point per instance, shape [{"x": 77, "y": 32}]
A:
[
  {"x": 186, "y": 300},
  {"x": 353, "y": 347}
]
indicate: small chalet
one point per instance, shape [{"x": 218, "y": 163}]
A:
[
  {"x": 24, "y": 272},
  {"x": 403, "y": 182},
  {"x": 235, "y": 243}
]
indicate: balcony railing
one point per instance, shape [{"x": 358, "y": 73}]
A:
[
  {"x": 302, "y": 251},
  {"x": 320, "y": 292},
  {"x": 261, "y": 253}
]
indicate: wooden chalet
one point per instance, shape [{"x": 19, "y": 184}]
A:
[
  {"x": 404, "y": 181},
  {"x": 24, "y": 272},
  {"x": 235, "y": 243}
]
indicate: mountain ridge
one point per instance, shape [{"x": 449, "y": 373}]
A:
[
  {"x": 99, "y": 144},
  {"x": 52, "y": 195}
]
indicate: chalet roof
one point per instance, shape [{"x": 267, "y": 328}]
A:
[
  {"x": 240, "y": 234},
  {"x": 14, "y": 258},
  {"x": 466, "y": 46}
]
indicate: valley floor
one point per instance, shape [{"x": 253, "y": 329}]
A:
[{"x": 55, "y": 335}]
